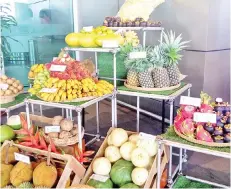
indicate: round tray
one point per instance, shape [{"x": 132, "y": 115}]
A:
[
  {"x": 74, "y": 100},
  {"x": 212, "y": 144},
  {"x": 152, "y": 89},
  {"x": 7, "y": 99},
  {"x": 66, "y": 142}
]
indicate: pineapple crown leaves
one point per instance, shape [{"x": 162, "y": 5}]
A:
[
  {"x": 156, "y": 56},
  {"x": 138, "y": 64},
  {"x": 172, "y": 46},
  {"x": 126, "y": 49}
]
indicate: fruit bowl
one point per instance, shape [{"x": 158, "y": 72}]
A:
[
  {"x": 8, "y": 99},
  {"x": 212, "y": 144}
]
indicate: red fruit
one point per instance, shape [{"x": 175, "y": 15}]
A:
[
  {"x": 206, "y": 108},
  {"x": 203, "y": 135},
  {"x": 187, "y": 128},
  {"x": 188, "y": 111},
  {"x": 48, "y": 65},
  {"x": 178, "y": 121}
]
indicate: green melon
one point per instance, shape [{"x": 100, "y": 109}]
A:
[{"x": 6, "y": 133}]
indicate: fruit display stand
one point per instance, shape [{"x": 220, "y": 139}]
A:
[
  {"x": 144, "y": 31},
  {"x": 71, "y": 165},
  {"x": 17, "y": 103},
  {"x": 70, "y": 106},
  {"x": 151, "y": 180},
  {"x": 171, "y": 139},
  {"x": 166, "y": 96}
]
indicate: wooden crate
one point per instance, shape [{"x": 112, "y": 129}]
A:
[
  {"x": 151, "y": 180},
  {"x": 71, "y": 165}
]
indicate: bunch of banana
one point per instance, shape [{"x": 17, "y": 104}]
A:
[
  {"x": 131, "y": 38},
  {"x": 74, "y": 89},
  {"x": 104, "y": 87},
  {"x": 35, "y": 69}
]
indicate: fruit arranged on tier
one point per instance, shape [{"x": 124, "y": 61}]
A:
[
  {"x": 10, "y": 86},
  {"x": 35, "y": 69},
  {"x": 126, "y": 162},
  {"x": 158, "y": 69},
  {"x": 93, "y": 37},
  {"x": 218, "y": 132},
  {"x": 137, "y": 22}
]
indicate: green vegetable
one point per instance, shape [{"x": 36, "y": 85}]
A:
[
  {"x": 98, "y": 184},
  {"x": 6, "y": 133},
  {"x": 129, "y": 185},
  {"x": 121, "y": 172}
]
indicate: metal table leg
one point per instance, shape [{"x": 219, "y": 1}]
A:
[
  {"x": 97, "y": 118},
  {"x": 28, "y": 115},
  {"x": 180, "y": 162},
  {"x": 158, "y": 165},
  {"x": 170, "y": 167},
  {"x": 138, "y": 115},
  {"x": 83, "y": 117},
  {"x": 163, "y": 116},
  {"x": 79, "y": 120}
]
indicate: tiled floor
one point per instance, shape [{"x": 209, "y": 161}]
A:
[{"x": 199, "y": 165}]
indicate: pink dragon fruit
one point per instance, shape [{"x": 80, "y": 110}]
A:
[
  {"x": 203, "y": 135},
  {"x": 188, "y": 111},
  {"x": 178, "y": 121},
  {"x": 187, "y": 128},
  {"x": 206, "y": 108},
  {"x": 205, "y": 103}
]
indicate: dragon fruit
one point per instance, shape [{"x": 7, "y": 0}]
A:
[
  {"x": 188, "y": 111},
  {"x": 178, "y": 121},
  {"x": 203, "y": 135},
  {"x": 205, "y": 103},
  {"x": 187, "y": 128}
]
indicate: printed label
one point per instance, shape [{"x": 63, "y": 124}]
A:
[
  {"x": 99, "y": 178},
  {"x": 54, "y": 58},
  {"x": 146, "y": 136},
  {"x": 4, "y": 86},
  {"x": 52, "y": 129},
  {"x": 204, "y": 117},
  {"x": 88, "y": 28},
  {"x": 186, "y": 100},
  {"x": 48, "y": 90},
  {"x": 58, "y": 68},
  {"x": 135, "y": 55},
  {"x": 22, "y": 158},
  {"x": 110, "y": 44}
]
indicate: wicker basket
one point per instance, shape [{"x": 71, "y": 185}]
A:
[
  {"x": 212, "y": 144},
  {"x": 7, "y": 99},
  {"x": 44, "y": 121}
]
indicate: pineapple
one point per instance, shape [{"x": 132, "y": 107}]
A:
[
  {"x": 132, "y": 78},
  {"x": 159, "y": 73},
  {"x": 171, "y": 47},
  {"x": 145, "y": 79}
]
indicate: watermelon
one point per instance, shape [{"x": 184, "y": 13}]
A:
[
  {"x": 99, "y": 184},
  {"x": 129, "y": 185}
]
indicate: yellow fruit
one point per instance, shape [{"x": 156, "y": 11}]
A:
[
  {"x": 72, "y": 39},
  {"x": 37, "y": 86},
  {"x": 9, "y": 154},
  {"x": 44, "y": 175},
  {"x": 68, "y": 86},
  {"x": 74, "y": 96},
  {"x": 60, "y": 83},
  {"x": 22, "y": 172},
  {"x": 74, "y": 91},
  {"x": 32, "y": 91},
  {"x": 85, "y": 89},
  {"x": 69, "y": 91},
  {"x": 57, "y": 98},
  {"x": 70, "y": 97},
  {"x": 45, "y": 97},
  {"x": 63, "y": 97},
  {"x": 34, "y": 67},
  {"x": 80, "y": 95},
  {"x": 31, "y": 74},
  {"x": 60, "y": 92},
  {"x": 54, "y": 80},
  {"x": 5, "y": 174},
  {"x": 51, "y": 97}
]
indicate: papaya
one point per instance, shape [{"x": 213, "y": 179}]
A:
[
  {"x": 21, "y": 172},
  {"x": 11, "y": 150},
  {"x": 72, "y": 39},
  {"x": 45, "y": 175},
  {"x": 109, "y": 37},
  {"x": 5, "y": 174}
]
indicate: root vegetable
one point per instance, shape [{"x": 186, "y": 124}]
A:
[
  {"x": 74, "y": 131},
  {"x": 66, "y": 125},
  {"x": 53, "y": 135},
  {"x": 56, "y": 120},
  {"x": 64, "y": 134},
  {"x": 15, "y": 85}
]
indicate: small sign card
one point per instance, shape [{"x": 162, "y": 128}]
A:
[
  {"x": 48, "y": 90},
  {"x": 4, "y": 86},
  {"x": 110, "y": 44},
  {"x": 22, "y": 158},
  {"x": 54, "y": 58},
  {"x": 88, "y": 28},
  {"x": 204, "y": 117},
  {"x": 136, "y": 55},
  {"x": 99, "y": 178},
  {"x": 58, "y": 68},
  {"x": 52, "y": 129},
  {"x": 146, "y": 136},
  {"x": 186, "y": 100}
]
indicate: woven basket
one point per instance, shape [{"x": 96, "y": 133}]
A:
[
  {"x": 7, "y": 99},
  {"x": 212, "y": 144},
  {"x": 105, "y": 66}
]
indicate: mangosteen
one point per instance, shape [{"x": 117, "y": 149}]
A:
[
  {"x": 228, "y": 120},
  {"x": 124, "y": 24},
  {"x": 139, "y": 19},
  {"x": 149, "y": 24},
  {"x": 218, "y": 139},
  {"x": 227, "y": 128},
  {"x": 209, "y": 127},
  {"x": 158, "y": 24},
  {"x": 226, "y": 109},
  {"x": 220, "y": 124},
  {"x": 129, "y": 24},
  {"x": 108, "y": 18},
  {"x": 153, "y": 24},
  {"x": 105, "y": 23},
  {"x": 137, "y": 24},
  {"x": 143, "y": 24},
  {"x": 117, "y": 19},
  {"x": 110, "y": 24},
  {"x": 218, "y": 131},
  {"x": 219, "y": 109},
  {"x": 115, "y": 24},
  {"x": 120, "y": 24},
  {"x": 227, "y": 138},
  {"x": 133, "y": 24},
  {"x": 227, "y": 114}
]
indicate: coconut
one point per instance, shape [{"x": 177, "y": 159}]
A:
[
  {"x": 15, "y": 91},
  {"x": 65, "y": 135},
  {"x": 9, "y": 81},
  {"x": 11, "y": 88},
  {"x": 8, "y": 92},
  {"x": 4, "y": 77},
  {"x": 20, "y": 87},
  {"x": 18, "y": 82},
  {"x": 66, "y": 125},
  {"x": 15, "y": 84},
  {"x": 56, "y": 120}
]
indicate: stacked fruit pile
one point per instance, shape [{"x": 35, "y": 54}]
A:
[
  {"x": 93, "y": 37},
  {"x": 74, "y": 81},
  {"x": 35, "y": 69},
  {"x": 159, "y": 68},
  {"x": 208, "y": 132},
  {"x": 9, "y": 86},
  {"x": 126, "y": 162},
  {"x": 138, "y": 22}
]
